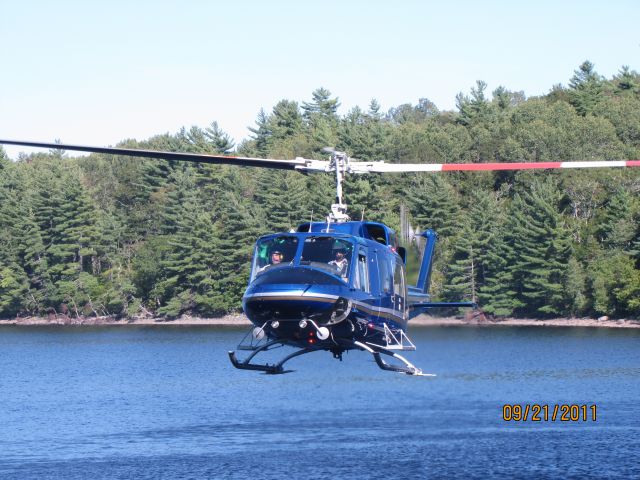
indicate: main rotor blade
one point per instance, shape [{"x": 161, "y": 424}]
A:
[
  {"x": 383, "y": 167},
  {"x": 303, "y": 164},
  {"x": 298, "y": 163}
]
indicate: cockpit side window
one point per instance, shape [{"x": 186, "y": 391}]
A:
[{"x": 274, "y": 252}]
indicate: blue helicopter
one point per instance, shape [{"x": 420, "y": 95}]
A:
[{"x": 336, "y": 285}]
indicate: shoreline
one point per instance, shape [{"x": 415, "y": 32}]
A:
[{"x": 239, "y": 320}]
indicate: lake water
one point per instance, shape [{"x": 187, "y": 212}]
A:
[{"x": 164, "y": 402}]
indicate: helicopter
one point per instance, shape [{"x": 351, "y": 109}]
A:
[{"x": 335, "y": 285}]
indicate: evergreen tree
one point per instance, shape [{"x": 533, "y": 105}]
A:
[
  {"x": 282, "y": 196},
  {"x": 285, "y": 121},
  {"x": 239, "y": 227},
  {"x": 542, "y": 248},
  {"x": 498, "y": 296},
  {"x": 474, "y": 108},
  {"x": 470, "y": 266},
  {"x": 434, "y": 204},
  {"x": 64, "y": 215},
  {"x": 627, "y": 81},
  {"x": 322, "y": 106},
  {"x": 219, "y": 140},
  {"x": 462, "y": 271},
  {"x": 261, "y": 134},
  {"x": 13, "y": 280},
  {"x": 586, "y": 88},
  {"x": 615, "y": 285},
  {"x": 192, "y": 253},
  {"x": 321, "y": 120},
  {"x": 616, "y": 228}
]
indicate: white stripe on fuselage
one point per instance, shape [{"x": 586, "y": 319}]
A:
[
  {"x": 292, "y": 293},
  {"x": 305, "y": 295}
]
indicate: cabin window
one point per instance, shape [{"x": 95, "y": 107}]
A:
[
  {"x": 386, "y": 276},
  {"x": 274, "y": 252},
  {"x": 393, "y": 240},
  {"x": 333, "y": 255},
  {"x": 377, "y": 233},
  {"x": 361, "y": 281},
  {"x": 399, "y": 286}
]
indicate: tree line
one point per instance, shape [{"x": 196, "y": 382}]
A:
[{"x": 111, "y": 235}]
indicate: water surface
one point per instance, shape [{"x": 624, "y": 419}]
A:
[{"x": 164, "y": 402}]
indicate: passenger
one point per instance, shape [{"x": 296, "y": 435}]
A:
[{"x": 340, "y": 263}]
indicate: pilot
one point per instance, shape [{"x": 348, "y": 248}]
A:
[
  {"x": 340, "y": 263},
  {"x": 276, "y": 258}
]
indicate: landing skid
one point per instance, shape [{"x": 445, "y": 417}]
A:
[
  {"x": 407, "y": 368},
  {"x": 276, "y": 368}
]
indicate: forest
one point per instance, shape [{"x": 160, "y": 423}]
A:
[{"x": 119, "y": 236}]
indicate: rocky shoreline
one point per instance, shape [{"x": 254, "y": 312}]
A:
[{"x": 240, "y": 320}]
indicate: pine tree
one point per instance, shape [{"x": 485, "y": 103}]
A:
[
  {"x": 498, "y": 296},
  {"x": 475, "y": 108},
  {"x": 262, "y": 134},
  {"x": 434, "y": 204},
  {"x": 283, "y": 198},
  {"x": 321, "y": 120},
  {"x": 192, "y": 253},
  {"x": 238, "y": 228},
  {"x": 616, "y": 229},
  {"x": 219, "y": 141},
  {"x": 470, "y": 265},
  {"x": 615, "y": 285},
  {"x": 542, "y": 249},
  {"x": 586, "y": 88},
  {"x": 627, "y": 81},
  {"x": 4, "y": 160},
  {"x": 462, "y": 271},
  {"x": 33, "y": 258},
  {"x": 495, "y": 243},
  {"x": 322, "y": 105},
  {"x": 13, "y": 279},
  {"x": 64, "y": 215},
  {"x": 285, "y": 120}
]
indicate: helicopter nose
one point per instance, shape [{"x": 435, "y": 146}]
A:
[{"x": 295, "y": 293}]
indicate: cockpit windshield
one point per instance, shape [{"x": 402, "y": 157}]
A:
[
  {"x": 274, "y": 252},
  {"x": 330, "y": 254}
]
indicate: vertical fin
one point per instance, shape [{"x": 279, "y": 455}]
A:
[{"x": 424, "y": 277}]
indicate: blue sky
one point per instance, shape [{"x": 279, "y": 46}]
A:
[{"x": 101, "y": 71}]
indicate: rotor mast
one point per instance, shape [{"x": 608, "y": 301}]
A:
[{"x": 340, "y": 162}]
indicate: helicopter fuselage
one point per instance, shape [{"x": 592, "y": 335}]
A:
[{"x": 331, "y": 284}]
